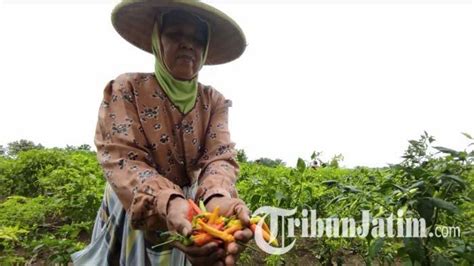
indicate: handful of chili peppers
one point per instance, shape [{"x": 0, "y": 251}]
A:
[{"x": 210, "y": 227}]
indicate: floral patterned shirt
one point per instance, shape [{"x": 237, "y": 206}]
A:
[{"x": 148, "y": 149}]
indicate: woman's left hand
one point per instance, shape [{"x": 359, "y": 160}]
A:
[{"x": 229, "y": 207}]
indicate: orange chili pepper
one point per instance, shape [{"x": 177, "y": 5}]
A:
[
  {"x": 215, "y": 232},
  {"x": 218, "y": 226},
  {"x": 194, "y": 207},
  {"x": 256, "y": 220},
  {"x": 196, "y": 222},
  {"x": 201, "y": 239},
  {"x": 265, "y": 235}
]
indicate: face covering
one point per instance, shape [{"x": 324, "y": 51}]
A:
[{"x": 182, "y": 93}]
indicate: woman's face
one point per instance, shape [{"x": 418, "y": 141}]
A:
[{"x": 183, "y": 40}]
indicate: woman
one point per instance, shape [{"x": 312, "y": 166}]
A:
[{"x": 163, "y": 137}]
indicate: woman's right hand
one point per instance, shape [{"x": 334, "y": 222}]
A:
[{"x": 209, "y": 254}]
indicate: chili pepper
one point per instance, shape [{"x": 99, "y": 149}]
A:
[
  {"x": 228, "y": 219},
  {"x": 218, "y": 226},
  {"x": 233, "y": 228},
  {"x": 233, "y": 222},
  {"x": 265, "y": 235},
  {"x": 203, "y": 216},
  {"x": 256, "y": 220},
  {"x": 201, "y": 239},
  {"x": 196, "y": 224},
  {"x": 194, "y": 206},
  {"x": 202, "y": 206},
  {"x": 220, "y": 220},
  {"x": 215, "y": 232},
  {"x": 190, "y": 214},
  {"x": 214, "y": 215}
]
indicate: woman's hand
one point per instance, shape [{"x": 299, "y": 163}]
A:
[
  {"x": 209, "y": 254},
  {"x": 229, "y": 207},
  {"x": 176, "y": 219}
]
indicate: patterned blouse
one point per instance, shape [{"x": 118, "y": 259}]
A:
[{"x": 148, "y": 149}]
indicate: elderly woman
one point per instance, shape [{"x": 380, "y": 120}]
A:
[{"x": 163, "y": 137}]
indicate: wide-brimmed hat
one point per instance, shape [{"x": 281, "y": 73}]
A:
[{"x": 134, "y": 20}]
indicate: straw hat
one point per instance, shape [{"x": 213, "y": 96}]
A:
[{"x": 134, "y": 19}]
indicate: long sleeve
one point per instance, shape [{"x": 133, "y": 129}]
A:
[
  {"x": 218, "y": 161},
  {"x": 128, "y": 164}
]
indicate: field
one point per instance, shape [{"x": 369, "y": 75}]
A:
[{"x": 49, "y": 199}]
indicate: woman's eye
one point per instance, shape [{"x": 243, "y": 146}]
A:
[
  {"x": 177, "y": 35},
  {"x": 200, "y": 40},
  {"x": 173, "y": 35}
]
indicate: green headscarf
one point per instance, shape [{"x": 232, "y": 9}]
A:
[{"x": 182, "y": 93}]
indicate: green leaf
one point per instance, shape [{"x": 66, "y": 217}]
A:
[
  {"x": 336, "y": 199},
  {"x": 402, "y": 189},
  {"x": 446, "y": 150},
  {"x": 38, "y": 248},
  {"x": 414, "y": 248},
  {"x": 442, "y": 204},
  {"x": 456, "y": 179},
  {"x": 467, "y": 135},
  {"x": 351, "y": 189},
  {"x": 442, "y": 261},
  {"x": 301, "y": 166},
  {"x": 330, "y": 183},
  {"x": 426, "y": 210},
  {"x": 414, "y": 142},
  {"x": 375, "y": 247},
  {"x": 279, "y": 195}
]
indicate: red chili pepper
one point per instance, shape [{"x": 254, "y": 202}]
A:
[
  {"x": 190, "y": 214},
  {"x": 193, "y": 206}
]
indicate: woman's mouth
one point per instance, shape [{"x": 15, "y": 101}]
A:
[{"x": 187, "y": 58}]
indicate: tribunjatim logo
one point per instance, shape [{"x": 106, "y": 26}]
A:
[{"x": 283, "y": 223}]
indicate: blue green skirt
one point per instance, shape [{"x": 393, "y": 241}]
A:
[{"x": 114, "y": 242}]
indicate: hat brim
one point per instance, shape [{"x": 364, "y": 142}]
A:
[{"x": 134, "y": 20}]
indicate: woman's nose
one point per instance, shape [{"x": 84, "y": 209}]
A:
[{"x": 186, "y": 42}]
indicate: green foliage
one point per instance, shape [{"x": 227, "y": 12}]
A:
[
  {"x": 274, "y": 260},
  {"x": 11, "y": 233},
  {"x": 241, "y": 156},
  {"x": 10, "y": 238},
  {"x": 21, "y": 174},
  {"x": 16, "y": 147},
  {"x": 30, "y": 213},
  {"x": 49, "y": 198},
  {"x": 316, "y": 160},
  {"x": 270, "y": 162},
  {"x": 82, "y": 147},
  {"x": 432, "y": 182}
]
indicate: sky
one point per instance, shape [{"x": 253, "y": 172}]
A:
[{"x": 356, "y": 78}]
